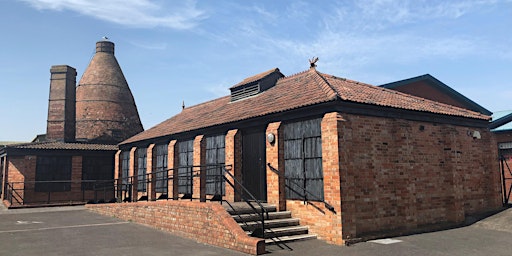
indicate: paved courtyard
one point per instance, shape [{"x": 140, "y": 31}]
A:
[{"x": 76, "y": 231}]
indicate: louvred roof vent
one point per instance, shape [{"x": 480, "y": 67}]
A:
[{"x": 255, "y": 84}]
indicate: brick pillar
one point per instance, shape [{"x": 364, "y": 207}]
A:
[
  {"x": 347, "y": 172},
  {"x": 331, "y": 127},
  {"x": 29, "y": 175},
  {"x": 118, "y": 173},
  {"x": 172, "y": 166},
  {"x": 76, "y": 174},
  {"x": 233, "y": 162},
  {"x": 149, "y": 172},
  {"x": 132, "y": 172},
  {"x": 199, "y": 183},
  {"x": 276, "y": 193}
]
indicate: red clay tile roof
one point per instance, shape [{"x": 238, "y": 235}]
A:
[
  {"x": 296, "y": 91},
  {"x": 255, "y": 77},
  {"x": 62, "y": 146},
  {"x": 349, "y": 90}
]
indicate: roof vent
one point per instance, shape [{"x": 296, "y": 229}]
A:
[{"x": 255, "y": 84}]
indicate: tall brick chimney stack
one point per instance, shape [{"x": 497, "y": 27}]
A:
[
  {"x": 105, "y": 108},
  {"x": 61, "y": 104}
]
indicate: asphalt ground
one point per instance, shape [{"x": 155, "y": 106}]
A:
[{"x": 76, "y": 231}]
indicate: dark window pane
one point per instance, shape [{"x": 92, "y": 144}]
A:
[
  {"x": 53, "y": 174},
  {"x": 160, "y": 165},
  {"x": 215, "y": 158},
  {"x": 303, "y": 160},
  {"x": 186, "y": 153}
]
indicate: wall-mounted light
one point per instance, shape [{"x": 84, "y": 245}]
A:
[{"x": 271, "y": 138}]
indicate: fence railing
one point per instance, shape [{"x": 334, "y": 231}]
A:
[{"x": 60, "y": 191}]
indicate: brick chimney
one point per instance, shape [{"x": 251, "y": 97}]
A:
[{"x": 61, "y": 105}]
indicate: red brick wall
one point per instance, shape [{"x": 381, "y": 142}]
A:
[
  {"x": 406, "y": 175},
  {"x": 326, "y": 224},
  {"x": 20, "y": 169},
  {"x": 397, "y": 176},
  {"x": 204, "y": 222},
  {"x": 276, "y": 193},
  {"x": 233, "y": 149},
  {"x": 23, "y": 169}
]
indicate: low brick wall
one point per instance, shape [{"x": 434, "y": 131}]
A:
[{"x": 204, "y": 222}]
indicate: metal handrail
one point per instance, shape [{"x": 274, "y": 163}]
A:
[
  {"x": 252, "y": 197},
  {"x": 327, "y": 205},
  {"x": 247, "y": 196},
  {"x": 34, "y": 195}
]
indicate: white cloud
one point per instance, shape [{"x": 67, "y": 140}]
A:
[
  {"x": 133, "y": 13},
  {"x": 150, "y": 45}
]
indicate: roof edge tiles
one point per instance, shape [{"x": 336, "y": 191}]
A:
[
  {"x": 293, "y": 92},
  {"x": 410, "y": 102},
  {"x": 55, "y": 145}
]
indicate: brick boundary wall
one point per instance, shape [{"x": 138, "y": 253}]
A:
[{"x": 204, "y": 222}]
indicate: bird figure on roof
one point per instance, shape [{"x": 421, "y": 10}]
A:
[{"x": 312, "y": 62}]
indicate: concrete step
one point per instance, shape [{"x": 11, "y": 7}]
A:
[
  {"x": 244, "y": 208},
  {"x": 284, "y": 231},
  {"x": 256, "y": 217},
  {"x": 290, "y": 238},
  {"x": 275, "y": 223}
]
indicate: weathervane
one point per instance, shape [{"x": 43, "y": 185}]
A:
[{"x": 312, "y": 62}]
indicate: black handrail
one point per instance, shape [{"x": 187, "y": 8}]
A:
[
  {"x": 34, "y": 191},
  {"x": 327, "y": 205},
  {"x": 252, "y": 197}
]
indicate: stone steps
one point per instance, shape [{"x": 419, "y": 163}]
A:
[{"x": 279, "y": 226}]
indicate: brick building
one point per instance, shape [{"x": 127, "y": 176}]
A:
[
  {"x": 76, "y": 155},
  {"x": 351, "y": 160},
  {"x": 429, "y": 87}
]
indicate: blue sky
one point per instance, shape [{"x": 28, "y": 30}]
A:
[{"x": 193, "y": 51}]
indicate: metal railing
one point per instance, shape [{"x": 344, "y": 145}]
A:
[
  {"x": 248, "y": 197},
  {"x": 60, "y": 191},
  {"x": 215, "y": 177},
  {"x": 305, "y": 193}
]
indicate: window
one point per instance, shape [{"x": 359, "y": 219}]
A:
[
  {"x": 125, "y": 169},
  {"x": 215, "y": 158},
  {"x": 160, "y": 168},
  {"x": 53, "y": 173},
  {"x": 95, "y": 169},
  {"x": 141, "y": 169},
  {"x": 186, "y": 154},
  {"x": 303, "y": 160}
]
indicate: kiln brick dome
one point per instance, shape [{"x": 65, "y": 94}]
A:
[{"x": 105, "y": 108}]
